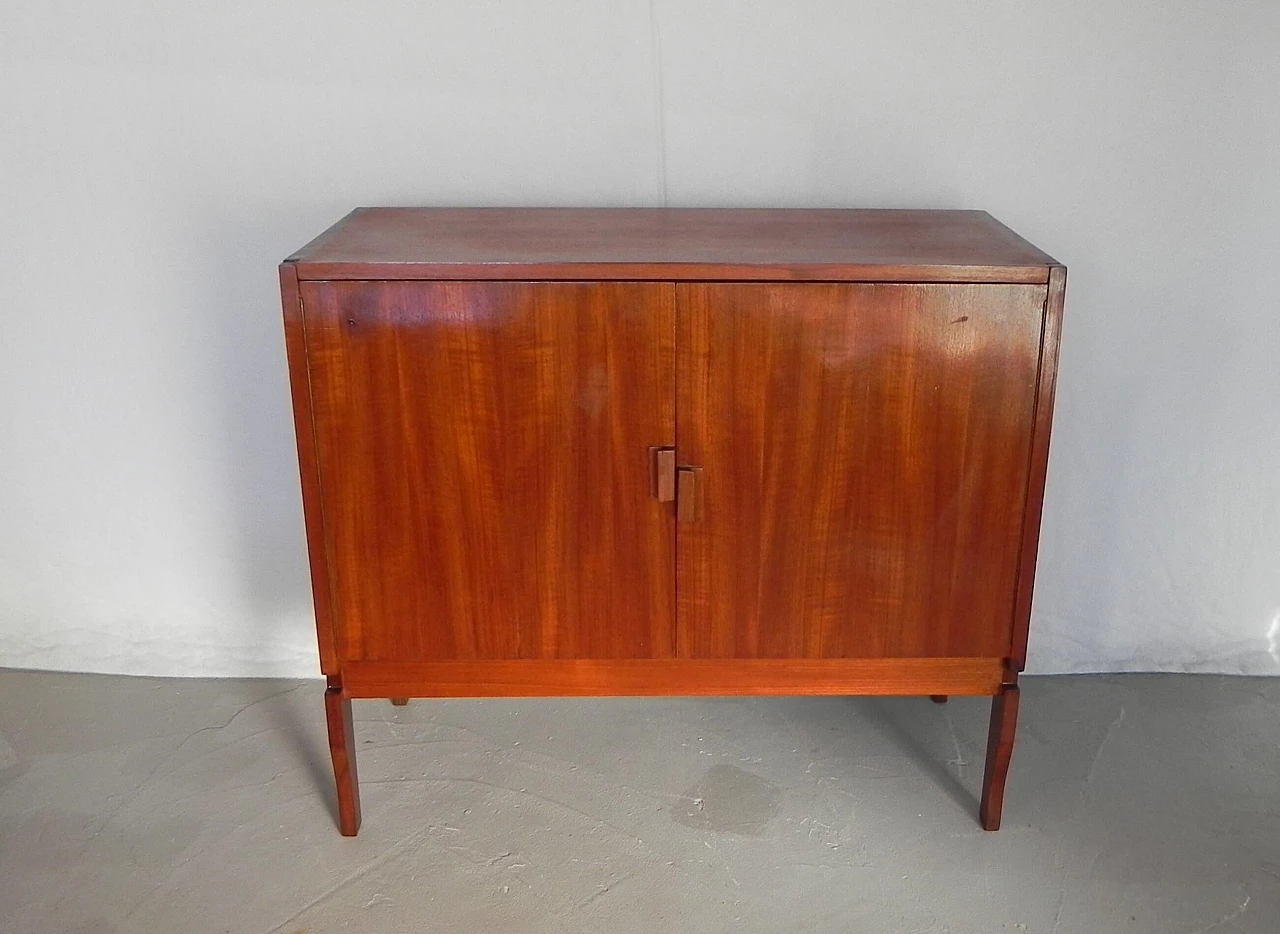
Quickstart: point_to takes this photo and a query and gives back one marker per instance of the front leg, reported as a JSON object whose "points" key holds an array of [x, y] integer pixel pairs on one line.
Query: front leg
{"points": [[342, 747], [1004, 719]]}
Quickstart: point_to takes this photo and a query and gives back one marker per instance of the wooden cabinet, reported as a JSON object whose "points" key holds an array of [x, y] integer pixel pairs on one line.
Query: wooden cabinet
{"points": [[484, 484], [580, 452]]}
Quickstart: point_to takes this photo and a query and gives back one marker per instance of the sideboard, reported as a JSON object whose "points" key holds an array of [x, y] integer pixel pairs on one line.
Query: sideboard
{"points": [[671, 452]]}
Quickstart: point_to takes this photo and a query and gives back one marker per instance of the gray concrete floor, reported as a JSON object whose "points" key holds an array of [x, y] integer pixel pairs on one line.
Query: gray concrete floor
{"points": [[1136, 803]]}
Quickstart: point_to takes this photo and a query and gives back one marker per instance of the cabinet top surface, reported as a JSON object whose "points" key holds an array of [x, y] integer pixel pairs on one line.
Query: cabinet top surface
{"points": [[671, 243]]}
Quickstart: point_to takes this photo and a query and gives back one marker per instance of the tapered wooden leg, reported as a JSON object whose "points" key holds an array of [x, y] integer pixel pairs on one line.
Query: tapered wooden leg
{"points": [[938, 698], [400, 701], [1004, 719], [342, 746]]}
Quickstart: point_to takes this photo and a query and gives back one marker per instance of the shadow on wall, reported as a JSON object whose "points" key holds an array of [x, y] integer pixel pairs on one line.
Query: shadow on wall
{"points": [[252, 414], [246, 358]]}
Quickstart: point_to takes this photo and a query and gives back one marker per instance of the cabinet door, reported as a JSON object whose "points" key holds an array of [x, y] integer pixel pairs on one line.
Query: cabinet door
{"points": [[864, 452], [485, 467]]}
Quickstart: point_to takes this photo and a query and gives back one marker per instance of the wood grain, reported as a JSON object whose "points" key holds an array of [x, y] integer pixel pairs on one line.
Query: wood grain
{"points": [[1004, 723], [1045, 387], [486, 467], [662, 677], [864, 467], [671, 244], [342, 749], [308, 468]]}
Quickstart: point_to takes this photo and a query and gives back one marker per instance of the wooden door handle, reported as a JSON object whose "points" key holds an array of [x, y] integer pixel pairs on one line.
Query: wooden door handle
{"points": [[662, 469], [689, 494]]}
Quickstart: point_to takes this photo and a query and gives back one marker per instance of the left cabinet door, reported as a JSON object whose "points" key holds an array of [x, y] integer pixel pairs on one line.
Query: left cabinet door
{"points": [[485, 467]]}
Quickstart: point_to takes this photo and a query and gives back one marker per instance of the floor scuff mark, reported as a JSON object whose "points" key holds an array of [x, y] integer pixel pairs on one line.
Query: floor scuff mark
{"points": [[1225, 919], [1097, 756], [960, 762]]}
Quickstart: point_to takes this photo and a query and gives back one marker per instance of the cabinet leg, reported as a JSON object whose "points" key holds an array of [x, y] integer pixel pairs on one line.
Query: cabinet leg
{"points": [[400, 701], [938, 698], [1004, 719], [342, 747]]}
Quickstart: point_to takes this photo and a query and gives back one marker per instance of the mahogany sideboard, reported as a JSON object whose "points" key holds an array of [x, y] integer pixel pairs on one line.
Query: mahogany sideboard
{"points": [[671, 452]]}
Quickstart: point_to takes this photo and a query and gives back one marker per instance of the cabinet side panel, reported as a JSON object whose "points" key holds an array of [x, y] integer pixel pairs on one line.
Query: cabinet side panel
{"points": [[1046, 387], [864, 454], [484, 448], [312, 508]]}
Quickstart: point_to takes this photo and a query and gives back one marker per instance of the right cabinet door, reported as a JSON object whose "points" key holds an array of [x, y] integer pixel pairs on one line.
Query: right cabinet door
{"points": [[864, 451]]}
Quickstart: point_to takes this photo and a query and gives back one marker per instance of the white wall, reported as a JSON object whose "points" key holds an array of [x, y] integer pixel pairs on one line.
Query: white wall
{"points": [[158, 159]]}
